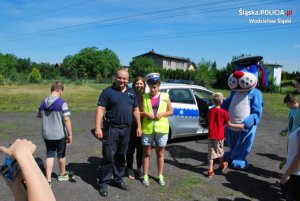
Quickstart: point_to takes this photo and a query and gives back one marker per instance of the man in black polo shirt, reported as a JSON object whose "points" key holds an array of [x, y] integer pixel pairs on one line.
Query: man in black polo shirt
{"points": [[118, 103]]}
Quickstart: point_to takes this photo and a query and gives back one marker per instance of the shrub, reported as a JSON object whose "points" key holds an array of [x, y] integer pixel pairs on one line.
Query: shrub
{"points": [[286, 83], [1, 80], [99, 78], [34, 76]]}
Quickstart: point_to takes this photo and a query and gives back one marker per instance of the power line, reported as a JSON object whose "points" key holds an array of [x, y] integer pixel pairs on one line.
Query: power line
{"points": [[178, 35], [175, 12], [46, 11]]}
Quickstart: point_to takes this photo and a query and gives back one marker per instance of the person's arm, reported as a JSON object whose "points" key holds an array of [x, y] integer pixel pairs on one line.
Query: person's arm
{"points": [[136, 114], [169, 111], [38, 114], [145, 114], [294, 165], [17, 187], [37, 186], [67, 122], [98, 121], [238, 126]]}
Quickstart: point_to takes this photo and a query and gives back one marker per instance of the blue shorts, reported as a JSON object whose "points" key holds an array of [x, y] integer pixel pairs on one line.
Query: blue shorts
{"points": [[56, 148], [159, 139]]}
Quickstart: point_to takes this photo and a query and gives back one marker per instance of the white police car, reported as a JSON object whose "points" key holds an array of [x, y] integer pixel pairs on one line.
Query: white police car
{"points": [[190, 105]]}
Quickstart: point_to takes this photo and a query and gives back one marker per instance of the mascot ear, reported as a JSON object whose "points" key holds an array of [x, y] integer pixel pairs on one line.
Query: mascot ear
{"points": [[264, 76]]}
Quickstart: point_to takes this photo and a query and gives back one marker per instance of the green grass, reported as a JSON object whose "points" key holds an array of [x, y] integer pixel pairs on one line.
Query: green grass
{"points": [[274, 106], [182, 188], [27, 98], [84, 97]]}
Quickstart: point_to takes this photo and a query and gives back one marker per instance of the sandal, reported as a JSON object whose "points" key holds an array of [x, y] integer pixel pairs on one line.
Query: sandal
{"points": [[131, 174], [210, 174]]}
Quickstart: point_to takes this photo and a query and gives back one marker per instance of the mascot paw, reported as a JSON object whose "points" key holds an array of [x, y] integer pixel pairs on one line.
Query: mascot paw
{"points": [[239, 164]]}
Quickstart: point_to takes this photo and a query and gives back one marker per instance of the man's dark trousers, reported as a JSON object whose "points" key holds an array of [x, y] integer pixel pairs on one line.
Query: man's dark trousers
{"points": [[115, 145]]}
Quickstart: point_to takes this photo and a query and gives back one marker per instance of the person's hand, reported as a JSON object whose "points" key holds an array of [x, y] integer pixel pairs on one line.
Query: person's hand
{"points": [[138, 132], [284, 179], [242, 126], [150, 116], [69, 140], [284, 132], [16, 186], [19, 147], [98, 133], [159, 115]]}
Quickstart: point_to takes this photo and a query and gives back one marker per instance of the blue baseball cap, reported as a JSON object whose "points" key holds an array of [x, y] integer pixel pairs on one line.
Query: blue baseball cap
{"points": [[152, 78]]}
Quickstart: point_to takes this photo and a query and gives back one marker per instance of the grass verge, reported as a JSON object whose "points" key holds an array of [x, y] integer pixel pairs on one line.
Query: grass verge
{"points": [[84, 97], [27, 98]]}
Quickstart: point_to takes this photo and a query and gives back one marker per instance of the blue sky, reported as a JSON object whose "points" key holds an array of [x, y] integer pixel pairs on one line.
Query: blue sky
{"points": [[213, 30]]}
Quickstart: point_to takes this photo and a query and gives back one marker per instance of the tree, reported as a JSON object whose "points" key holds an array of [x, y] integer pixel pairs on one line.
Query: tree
{"points": [[142, 66], [205, 75], [223, 75], [90, 62], [47, 71], [24, 65], [8, 62], [109, 63]]}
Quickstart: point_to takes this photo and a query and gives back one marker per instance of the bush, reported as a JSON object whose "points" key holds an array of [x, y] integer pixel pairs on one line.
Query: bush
{"points": [[99, 78], [287, 83], [1, 80], [34, 76]]}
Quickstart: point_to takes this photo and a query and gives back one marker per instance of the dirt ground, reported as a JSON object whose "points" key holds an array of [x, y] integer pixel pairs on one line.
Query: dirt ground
{"points": [[185, 165]]}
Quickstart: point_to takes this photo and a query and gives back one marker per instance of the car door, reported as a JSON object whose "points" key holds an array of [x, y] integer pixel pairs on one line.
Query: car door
{"points": [[185, 116], [204, 103]]}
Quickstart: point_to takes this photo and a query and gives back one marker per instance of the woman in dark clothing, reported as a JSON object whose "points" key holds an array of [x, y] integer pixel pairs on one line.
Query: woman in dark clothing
{"points": [[135, 142]]}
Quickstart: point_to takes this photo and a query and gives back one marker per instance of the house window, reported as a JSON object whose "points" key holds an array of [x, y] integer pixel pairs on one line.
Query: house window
{"points": [[168, 63]]}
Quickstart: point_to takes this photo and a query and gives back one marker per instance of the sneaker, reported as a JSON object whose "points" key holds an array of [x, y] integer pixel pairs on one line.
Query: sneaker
{"points": [[210, 174], [145, 180], [131, 174], [66, 177], [161, 180], [222, 167]]}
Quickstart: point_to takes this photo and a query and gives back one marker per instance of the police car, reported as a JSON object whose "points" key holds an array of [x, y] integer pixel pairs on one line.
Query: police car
{"points": [[190, 105]]}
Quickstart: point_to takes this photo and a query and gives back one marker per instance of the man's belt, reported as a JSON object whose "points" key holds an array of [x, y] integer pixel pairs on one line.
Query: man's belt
{"points": [[119, 126]]}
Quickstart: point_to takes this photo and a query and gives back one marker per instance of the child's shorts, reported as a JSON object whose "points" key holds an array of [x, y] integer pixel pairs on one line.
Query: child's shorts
{"points": [[56, 148], [215, 149], [160, 139]]}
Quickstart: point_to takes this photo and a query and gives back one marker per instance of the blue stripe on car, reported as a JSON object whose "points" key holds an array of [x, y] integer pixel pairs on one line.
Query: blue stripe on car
{"points": [[183, 112]]}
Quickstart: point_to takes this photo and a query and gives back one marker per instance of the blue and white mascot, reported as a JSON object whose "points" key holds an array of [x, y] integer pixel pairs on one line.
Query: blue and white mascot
{"points": [[245, 105]]}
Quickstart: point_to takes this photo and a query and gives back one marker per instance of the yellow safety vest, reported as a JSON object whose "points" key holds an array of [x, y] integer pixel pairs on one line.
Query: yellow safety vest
{"points": [[150, 126]]}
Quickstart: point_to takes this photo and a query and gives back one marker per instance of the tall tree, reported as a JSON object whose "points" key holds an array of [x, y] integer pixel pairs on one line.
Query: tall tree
{"points": [[90, 62], [205, 75], [141, 66]]}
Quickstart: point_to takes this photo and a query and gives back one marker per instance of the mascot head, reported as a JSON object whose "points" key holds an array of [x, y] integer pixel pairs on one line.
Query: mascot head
{"points": [[245, 77]]}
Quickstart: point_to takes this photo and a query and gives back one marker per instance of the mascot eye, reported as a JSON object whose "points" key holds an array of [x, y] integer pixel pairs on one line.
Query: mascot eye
{"points": [[243, 81]]}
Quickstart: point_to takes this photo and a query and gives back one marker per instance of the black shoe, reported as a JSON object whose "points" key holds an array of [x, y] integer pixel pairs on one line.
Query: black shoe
{"points": [[122, 186], [103, 191]]}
